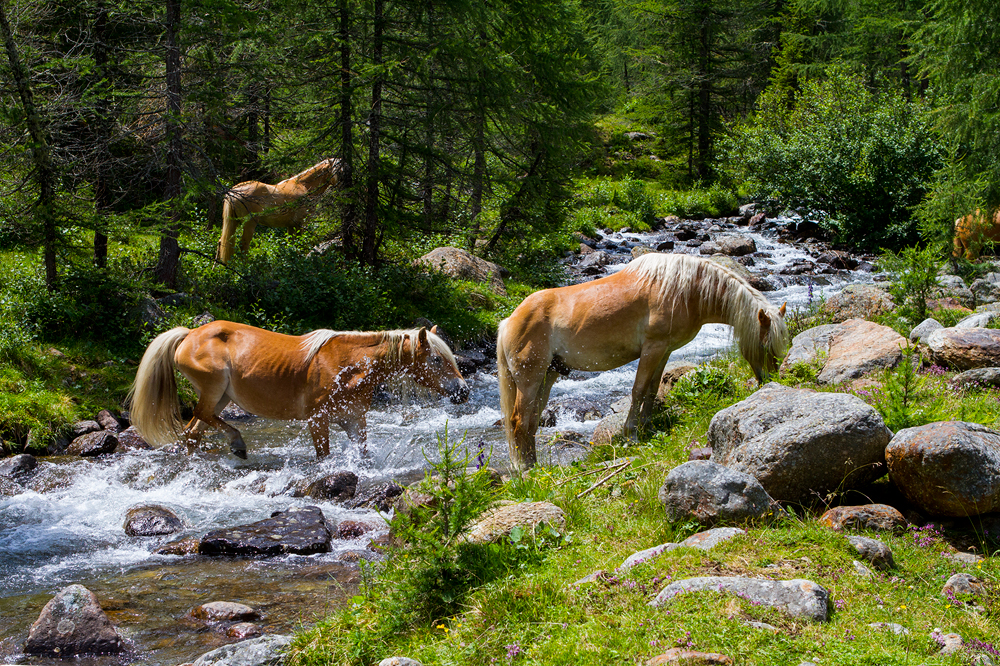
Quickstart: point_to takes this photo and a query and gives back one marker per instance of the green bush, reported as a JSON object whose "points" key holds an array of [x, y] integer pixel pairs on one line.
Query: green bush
{"points": [[712, 201], [914, 278], [858, 159]]}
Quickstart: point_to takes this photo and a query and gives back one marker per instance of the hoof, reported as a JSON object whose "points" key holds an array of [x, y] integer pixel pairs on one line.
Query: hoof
{"points": [[239, 453]]}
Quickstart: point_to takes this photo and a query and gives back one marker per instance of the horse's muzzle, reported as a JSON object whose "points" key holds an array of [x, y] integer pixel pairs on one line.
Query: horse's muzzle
{"points": [[459, 393]]}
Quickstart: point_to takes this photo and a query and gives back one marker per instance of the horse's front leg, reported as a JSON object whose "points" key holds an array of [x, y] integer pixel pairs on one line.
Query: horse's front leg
{"points": [[356, 428], [647, 381], [319, 428]]}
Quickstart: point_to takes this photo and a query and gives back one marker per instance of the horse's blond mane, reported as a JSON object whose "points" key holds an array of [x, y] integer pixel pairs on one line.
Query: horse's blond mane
{"points": [[679, 278], [393, 340]]}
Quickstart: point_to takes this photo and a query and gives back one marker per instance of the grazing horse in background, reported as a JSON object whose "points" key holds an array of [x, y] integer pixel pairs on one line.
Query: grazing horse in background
{"points": [[653, 306], [973, 231], [319, 377], [283, 205]]}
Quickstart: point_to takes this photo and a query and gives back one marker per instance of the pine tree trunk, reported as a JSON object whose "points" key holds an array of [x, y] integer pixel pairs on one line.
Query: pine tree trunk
{"points": [[369, 241], [102, 194], [166, 267], [349, 211]]}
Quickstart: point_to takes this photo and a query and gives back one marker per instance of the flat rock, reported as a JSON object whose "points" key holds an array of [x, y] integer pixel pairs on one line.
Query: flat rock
{"points": [[964, 348], [18, 468], [976, 379], [846, 351], [263, 651], [710, 493], [964, 585], [684, 657], [800, 598], [947, 468], [497, 523], [73, 623], [151, 520], [224, 611], [457, 263], [94, 444], [873, 551], [702, 541], [300, 531], [880, 517], [798, 442]]}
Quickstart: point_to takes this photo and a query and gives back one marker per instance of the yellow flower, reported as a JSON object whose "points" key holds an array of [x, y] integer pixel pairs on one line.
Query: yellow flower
{"points": [[903, 607], [441, 627]]}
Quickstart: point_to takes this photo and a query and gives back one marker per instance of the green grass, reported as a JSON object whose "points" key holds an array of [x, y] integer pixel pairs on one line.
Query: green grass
{"points": [[532, 613]]}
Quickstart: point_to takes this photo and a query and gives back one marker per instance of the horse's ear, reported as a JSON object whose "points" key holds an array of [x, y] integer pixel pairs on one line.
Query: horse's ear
{"points": [[422, 336], [781, 310], [765, 321], [434, 329]]}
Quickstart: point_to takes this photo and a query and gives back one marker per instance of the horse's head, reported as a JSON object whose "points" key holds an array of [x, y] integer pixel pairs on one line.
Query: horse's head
{"points": [[433, 366], [773, 342]]}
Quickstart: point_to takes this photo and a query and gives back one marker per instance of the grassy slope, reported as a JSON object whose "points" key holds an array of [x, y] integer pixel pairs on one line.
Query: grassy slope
{"points": [[530, 613]]}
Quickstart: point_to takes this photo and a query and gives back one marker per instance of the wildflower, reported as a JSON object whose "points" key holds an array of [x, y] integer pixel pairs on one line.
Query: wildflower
{"points": [[903, 607], [512, 651], [442, 628]]}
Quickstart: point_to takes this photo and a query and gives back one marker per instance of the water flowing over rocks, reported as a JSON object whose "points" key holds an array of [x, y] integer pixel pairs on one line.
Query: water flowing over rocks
{"points": [[299, 531], [799, 443], [878, 517], [497, 523], [263, 651], [19, 468], [799, 598], [845, 351], [463, 265], [948, 468], [151, 520], [710, 493], [964, 348], [73, 623]]}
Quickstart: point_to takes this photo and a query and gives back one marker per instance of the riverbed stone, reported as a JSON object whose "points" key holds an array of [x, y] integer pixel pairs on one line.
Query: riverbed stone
{"points": [[188, 546], [380, 496], [497, 523], [947, 468], [463, 265], [878, 517], [846, 351], [18, 468], [339, 486], [976, 379], [263, 651], [109, 421], [129, 439], [799, 442], [710, 493], [683, 657], [151, 520], [352, 529], [84, 427], [735, 245], [857, 301], [923, 329], [73, 623], [243, 630], [224, 611], [964, 348], [873, 551], [799, 598], [94, 444], [299, 531]]}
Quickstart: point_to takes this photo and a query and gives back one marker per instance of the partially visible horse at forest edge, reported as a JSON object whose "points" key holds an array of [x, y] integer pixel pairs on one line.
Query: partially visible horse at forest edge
{"points": [[319, 377], [286, 204], [653, 306], [974, 231]]}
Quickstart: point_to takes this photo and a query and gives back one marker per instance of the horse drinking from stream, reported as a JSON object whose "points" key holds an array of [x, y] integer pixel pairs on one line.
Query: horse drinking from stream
{"points": [[653, 306], [283, 205], [319, 377]]}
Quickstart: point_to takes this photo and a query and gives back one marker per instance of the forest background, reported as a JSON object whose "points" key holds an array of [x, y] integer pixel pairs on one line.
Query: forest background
{"points": [[502, 127]]}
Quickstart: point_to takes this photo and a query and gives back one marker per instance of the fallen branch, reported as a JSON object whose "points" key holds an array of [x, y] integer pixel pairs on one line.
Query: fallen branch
{"points": [[605, 478]]}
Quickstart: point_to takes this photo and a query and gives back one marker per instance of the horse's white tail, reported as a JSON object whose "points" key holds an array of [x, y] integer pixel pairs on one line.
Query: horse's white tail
{"points": [[229, 223], [508, 389], [156, 411]]}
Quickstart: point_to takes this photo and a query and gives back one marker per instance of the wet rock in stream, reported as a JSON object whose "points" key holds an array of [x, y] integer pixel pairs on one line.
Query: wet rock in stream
{"points": [[298, 531], [73, 623]]}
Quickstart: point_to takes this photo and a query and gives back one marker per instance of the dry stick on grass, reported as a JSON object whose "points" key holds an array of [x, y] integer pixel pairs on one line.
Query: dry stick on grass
{"points": [[618, 470]]}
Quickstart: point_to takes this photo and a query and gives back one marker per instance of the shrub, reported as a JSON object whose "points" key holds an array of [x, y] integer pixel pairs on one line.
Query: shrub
{"points": [[914, 278], [864, 159]]}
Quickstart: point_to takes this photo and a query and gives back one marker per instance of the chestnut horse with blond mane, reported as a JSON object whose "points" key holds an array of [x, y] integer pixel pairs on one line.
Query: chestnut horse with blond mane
{"points": [[653, 306], [319, 377], [283, 205], [974, 231]]}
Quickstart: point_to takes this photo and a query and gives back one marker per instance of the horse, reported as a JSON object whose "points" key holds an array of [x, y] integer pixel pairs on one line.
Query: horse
{"points": [[653, 306], [319, 377], [283, 205], [973, 231]]}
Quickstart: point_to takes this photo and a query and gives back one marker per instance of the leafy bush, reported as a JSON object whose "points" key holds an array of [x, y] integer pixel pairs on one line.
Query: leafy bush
{"points": [[712, 201], [865, 159], [914, 278]]}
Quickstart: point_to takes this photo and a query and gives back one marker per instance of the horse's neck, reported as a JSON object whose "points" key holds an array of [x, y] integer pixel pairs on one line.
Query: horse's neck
{"points": [[314, 177], [723, 306]]}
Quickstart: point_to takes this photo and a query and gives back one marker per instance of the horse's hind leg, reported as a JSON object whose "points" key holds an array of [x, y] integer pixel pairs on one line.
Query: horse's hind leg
{"points": [[249, 225], [210, 403]]}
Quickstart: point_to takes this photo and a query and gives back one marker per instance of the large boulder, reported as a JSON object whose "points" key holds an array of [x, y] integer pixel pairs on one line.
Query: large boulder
{"points": [[799, 443], [263, 651], [710, 493], [299, 531], [857, 301], [735, 245], [948, 468], [463, 265], [964, 348], [846, 351], [73, 623]]}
